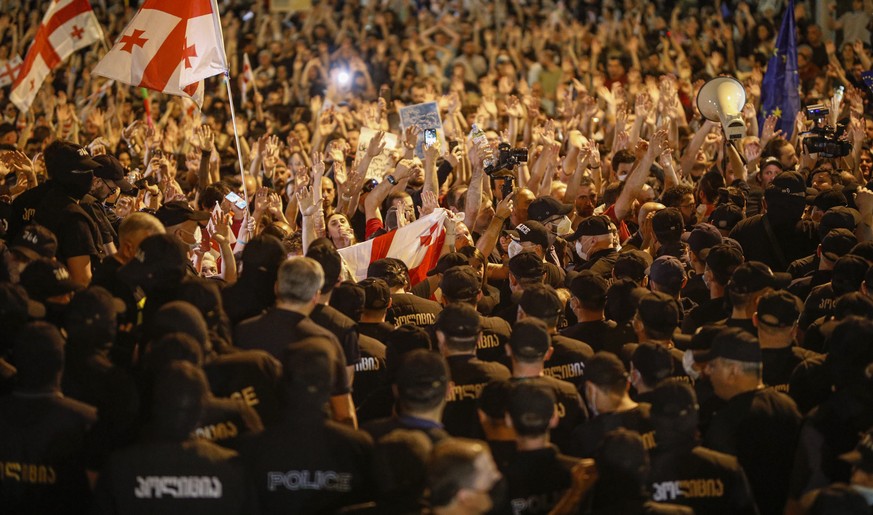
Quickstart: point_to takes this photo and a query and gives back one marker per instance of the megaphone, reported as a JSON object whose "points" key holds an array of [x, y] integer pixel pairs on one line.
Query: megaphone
{"points": [[722, 100]]}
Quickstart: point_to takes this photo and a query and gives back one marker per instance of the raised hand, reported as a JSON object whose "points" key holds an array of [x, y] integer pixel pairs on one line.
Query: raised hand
{"points": [[309, 204], [206, 138], [505, 206], [429, 203], [376, 145]]}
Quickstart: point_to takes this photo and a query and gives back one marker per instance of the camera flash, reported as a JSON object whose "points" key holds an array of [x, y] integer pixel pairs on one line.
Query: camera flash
{"points": [[343, 78]]}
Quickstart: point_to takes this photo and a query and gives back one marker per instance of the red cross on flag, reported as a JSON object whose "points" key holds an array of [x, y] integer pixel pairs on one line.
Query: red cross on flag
{"points": [[168, 46], [9, 70], [67, 26]]}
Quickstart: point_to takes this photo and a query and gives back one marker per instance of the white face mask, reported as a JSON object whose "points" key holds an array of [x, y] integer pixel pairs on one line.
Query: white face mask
{"points": [[866, 491], [580, 250], [564, 226], [198, 238], [514, 249], [688, 365]]}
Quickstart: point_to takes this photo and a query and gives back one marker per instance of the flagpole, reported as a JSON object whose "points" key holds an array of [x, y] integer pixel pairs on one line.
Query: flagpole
{"points": [[242, 171]]}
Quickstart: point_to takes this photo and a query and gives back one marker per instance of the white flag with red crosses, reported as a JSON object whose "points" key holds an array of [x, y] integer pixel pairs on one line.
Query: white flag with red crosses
{"points": [[9, 70], [67, 26], [168, 46]]}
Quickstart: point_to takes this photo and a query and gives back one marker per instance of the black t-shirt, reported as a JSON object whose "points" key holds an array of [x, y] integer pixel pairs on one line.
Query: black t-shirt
{"points": [[571, 409], [803, 266], [820, 303], [250, 296], [627, 354], [802, 286], [469, 377], [76, 232], [249, 376], [746, 324], [186, 478], [709, 312], [601, 335], [98, 214], [407, 308], [308, 464], [695, 289], [24, 207], [343, 327], [779, 364], [42, 451], [708, 481], [601, 262], [370, 371], [588, 436], [568, 360], [536, 481], [277, 328], [376, 330], [226, 421], [794, 242], [381, 427], [760, 428]]}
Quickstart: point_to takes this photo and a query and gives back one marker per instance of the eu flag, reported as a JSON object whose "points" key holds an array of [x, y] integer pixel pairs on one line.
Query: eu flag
{"points": [[780, 89]]}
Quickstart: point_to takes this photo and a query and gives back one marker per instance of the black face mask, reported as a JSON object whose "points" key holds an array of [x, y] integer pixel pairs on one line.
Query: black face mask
{"points": [[785, 211], [499, 493], [76, 185]]}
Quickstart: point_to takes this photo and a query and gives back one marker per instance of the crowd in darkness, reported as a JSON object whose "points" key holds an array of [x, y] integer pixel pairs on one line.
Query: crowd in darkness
{"points": [[635, 316]]}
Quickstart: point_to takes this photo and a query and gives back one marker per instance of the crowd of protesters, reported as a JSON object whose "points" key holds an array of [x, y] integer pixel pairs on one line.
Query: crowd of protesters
{"points": [[633, 317]]}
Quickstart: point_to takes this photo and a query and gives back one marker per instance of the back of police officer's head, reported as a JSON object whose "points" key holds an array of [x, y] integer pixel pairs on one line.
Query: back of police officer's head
{"points": [[491, 406], [325, 254], [850, 351], [460, 474], [531, 410], [650, 364], [458, 328], [180, 317], [307, 374], [530, 342], [299, 281], [674, 411], [606, 381], [38, 356], [734, 362], [401, 341], [349, 299], [179, 394], [400, 462], [622, 466], [171, 347], [421, 381]]}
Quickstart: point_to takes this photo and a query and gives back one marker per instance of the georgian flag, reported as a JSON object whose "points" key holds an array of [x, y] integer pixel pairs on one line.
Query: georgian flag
{"points": [[67, 26], [168, 46], [247, 78], [417, 244]]}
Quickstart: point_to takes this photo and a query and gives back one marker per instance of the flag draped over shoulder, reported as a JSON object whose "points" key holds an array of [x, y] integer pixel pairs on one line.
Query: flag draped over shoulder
{"points": [[168, 46], [417, 244], [67, 26], [780, 89]]}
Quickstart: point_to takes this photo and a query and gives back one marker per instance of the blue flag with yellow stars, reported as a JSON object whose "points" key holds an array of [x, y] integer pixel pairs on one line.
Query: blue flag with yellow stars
{"points": [[780, 89]]}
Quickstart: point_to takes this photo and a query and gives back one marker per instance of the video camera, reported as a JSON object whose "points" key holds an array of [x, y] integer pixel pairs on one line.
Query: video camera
{"points": [[507, 159], [823, 139]]}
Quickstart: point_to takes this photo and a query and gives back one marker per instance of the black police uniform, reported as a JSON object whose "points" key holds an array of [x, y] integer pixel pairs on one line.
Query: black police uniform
{"points": [[695, 289], [708, 481], [308, 464], [378, 428], [249, 376], [469, 376], [376, 330], [601, 262], [800, 241], [495, 335], [276, 328], [536, 480], [779, 364], [343, 327], [601, 335], [97, 213], [571, 409], [407, 308], [820, 303], [588, 436], [225, 421], [76, 232], [195, 477], [568, 359], [709, 312], [42, 458], [250, 296], [24, 207], [370, 371], [760, 428]]}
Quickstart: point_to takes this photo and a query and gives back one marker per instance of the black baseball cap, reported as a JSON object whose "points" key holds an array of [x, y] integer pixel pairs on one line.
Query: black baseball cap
{"points": [[839, 217], [111, 169], [447, 261], [597, 225], [668, 272], [753, 276], [263, 253], [461, 282], [862, 455], [633, 264], [64, 158], [179, 211], [531, 407], [605, 369], [35, 241], [735, 344], [830, 198], [723, 259], [527, 265], [159, 257], [543, 208], [44, 278], [669, 220], [533, 232], [377, 294], [541, 301], [589, 286], [771, 161], [459, 320], [653, 361], [389, 270], [659, 311], [726, 216], [837, 243], [779, 308], [788, 183], [422, 376], [530, 339], [673, 398], [702, 238], [16, 306]]}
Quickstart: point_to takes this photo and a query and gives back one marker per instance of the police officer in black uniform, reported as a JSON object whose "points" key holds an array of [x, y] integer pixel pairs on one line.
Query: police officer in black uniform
{"points": [[593, 237], [588, 300], [406, 308], [682, 471], [529, 348], [458, 330], [308, 463], [377, 300]]}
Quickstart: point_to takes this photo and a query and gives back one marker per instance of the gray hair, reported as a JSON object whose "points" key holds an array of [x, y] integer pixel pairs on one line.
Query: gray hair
{"points": [[299, 280], [140, 221]]}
